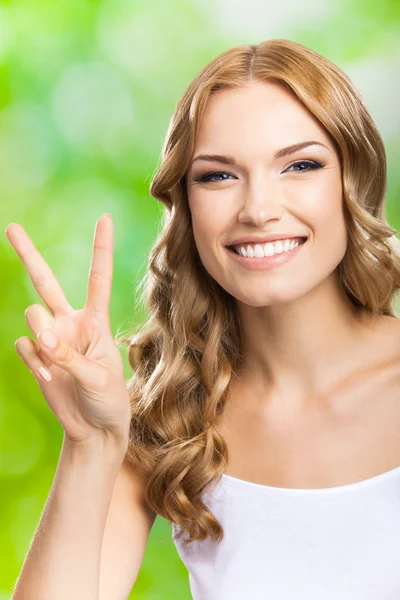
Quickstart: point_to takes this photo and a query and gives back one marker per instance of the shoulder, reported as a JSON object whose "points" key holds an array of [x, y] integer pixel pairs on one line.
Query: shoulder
{"points": [[386, 348], [378, 359], [388, 341]]}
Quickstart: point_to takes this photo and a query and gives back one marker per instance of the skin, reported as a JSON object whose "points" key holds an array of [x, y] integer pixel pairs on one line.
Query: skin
{"points": [[303, 339], [85, 387], [316, 401]]}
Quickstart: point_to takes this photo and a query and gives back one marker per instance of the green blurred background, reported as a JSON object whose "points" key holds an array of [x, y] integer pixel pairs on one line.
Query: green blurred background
{"points": [[87, 89]]}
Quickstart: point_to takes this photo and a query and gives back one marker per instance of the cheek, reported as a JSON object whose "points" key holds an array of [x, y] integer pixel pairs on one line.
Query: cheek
{"points": [[329, 220], [324, 213], [209, 229], [319, 204], [209, 224]]}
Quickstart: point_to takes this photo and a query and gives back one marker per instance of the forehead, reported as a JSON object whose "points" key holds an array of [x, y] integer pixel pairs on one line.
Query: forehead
{"points": [[263, 113]]}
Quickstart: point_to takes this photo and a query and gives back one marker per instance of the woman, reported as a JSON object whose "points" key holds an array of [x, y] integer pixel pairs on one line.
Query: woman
{"points": [[265, 408]]}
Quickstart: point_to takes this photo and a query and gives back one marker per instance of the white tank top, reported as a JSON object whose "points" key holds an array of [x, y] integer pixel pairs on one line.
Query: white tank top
{"points": [[339, 543]]}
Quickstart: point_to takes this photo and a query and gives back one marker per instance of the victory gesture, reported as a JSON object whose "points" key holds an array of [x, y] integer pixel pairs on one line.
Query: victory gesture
{"points": [[74, 356]]}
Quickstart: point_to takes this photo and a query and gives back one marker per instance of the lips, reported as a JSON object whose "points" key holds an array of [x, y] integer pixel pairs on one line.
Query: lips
{"points": [[275, 237]]}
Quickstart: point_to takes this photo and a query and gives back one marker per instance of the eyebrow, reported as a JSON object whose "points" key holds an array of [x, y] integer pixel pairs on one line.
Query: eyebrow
{"points": [[230, 160]]}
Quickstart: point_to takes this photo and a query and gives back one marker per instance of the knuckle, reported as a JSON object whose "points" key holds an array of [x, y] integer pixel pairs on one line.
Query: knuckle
{"points": [[65, 354], [40, 280], [97, 276]]}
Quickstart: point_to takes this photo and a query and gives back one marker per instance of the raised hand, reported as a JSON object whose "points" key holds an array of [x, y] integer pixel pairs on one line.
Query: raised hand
{"points": [[87, 391]]}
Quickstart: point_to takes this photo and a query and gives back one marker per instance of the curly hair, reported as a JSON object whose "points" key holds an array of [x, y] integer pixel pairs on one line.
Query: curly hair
{"points": [[184, 355]]}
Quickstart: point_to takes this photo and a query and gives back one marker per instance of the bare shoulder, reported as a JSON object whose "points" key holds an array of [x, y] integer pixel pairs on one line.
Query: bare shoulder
{"points": [[387, 344], [380, 343], [383, 374]]}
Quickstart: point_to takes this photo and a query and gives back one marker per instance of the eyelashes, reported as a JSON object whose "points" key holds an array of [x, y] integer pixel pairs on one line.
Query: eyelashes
{"points": [[311, 166]]}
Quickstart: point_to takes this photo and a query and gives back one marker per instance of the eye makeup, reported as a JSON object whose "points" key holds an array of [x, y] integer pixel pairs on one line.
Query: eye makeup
{"points": [[311, 165]]}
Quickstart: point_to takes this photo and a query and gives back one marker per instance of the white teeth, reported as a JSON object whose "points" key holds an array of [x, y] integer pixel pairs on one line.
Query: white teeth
{"points": [[258, 251], [268, 249]]}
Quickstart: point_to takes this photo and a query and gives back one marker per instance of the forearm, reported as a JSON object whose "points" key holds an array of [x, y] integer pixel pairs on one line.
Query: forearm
{"points": [[63, 561]]}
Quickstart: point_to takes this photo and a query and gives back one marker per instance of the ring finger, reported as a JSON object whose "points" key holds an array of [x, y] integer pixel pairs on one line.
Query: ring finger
{"points": [[37, 318], [27, 350]]}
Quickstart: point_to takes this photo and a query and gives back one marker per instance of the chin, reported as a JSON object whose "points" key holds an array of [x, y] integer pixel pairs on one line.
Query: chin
{"points": [[266, 298]]}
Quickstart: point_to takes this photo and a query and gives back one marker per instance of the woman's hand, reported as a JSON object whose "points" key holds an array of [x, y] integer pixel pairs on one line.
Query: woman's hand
{"points": [[87, 391]]}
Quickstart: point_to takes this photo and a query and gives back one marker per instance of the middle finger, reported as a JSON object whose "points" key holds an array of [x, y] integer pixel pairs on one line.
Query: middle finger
{"points": [[101, 267]]}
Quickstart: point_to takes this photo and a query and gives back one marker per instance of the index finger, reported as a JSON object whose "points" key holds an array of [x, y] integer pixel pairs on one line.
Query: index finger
{"points": [[101, 267], [39, 271]]}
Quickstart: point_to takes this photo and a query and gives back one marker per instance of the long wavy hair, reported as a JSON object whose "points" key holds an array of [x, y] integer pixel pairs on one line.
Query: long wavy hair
{"points": [[184, 355]]}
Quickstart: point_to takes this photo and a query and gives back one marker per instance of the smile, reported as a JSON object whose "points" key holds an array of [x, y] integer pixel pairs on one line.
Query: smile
{"points": [[266, 262]]}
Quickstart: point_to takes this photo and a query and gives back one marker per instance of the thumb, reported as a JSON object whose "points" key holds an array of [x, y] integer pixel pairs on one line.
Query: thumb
{"points": [[64, 356]]}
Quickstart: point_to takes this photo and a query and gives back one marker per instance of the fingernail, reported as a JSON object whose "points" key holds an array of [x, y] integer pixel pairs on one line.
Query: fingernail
{"points": [[49, 339], [45, 373]]}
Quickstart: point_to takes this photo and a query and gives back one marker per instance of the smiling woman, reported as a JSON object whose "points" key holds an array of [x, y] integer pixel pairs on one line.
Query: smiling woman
{"points": [[271, 290], [266, 188]]}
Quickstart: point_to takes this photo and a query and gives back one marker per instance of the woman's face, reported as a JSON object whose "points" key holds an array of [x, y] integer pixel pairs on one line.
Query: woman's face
{"points": [[261, 194]]}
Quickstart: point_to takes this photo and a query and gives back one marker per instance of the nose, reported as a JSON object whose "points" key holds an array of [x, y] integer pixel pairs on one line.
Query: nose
{"points": [[263, 201]]}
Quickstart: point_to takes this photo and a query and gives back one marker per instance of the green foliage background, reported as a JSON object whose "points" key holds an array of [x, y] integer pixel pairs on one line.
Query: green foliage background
{"points": [[87, 89]]}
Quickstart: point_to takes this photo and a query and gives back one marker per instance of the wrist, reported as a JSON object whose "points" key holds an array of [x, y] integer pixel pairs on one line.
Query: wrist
{"points": [[100, 446]]}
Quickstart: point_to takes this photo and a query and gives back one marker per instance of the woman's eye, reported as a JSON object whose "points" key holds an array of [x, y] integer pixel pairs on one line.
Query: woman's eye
{"points": [[209, 176], [309, 164], [212, 176]]}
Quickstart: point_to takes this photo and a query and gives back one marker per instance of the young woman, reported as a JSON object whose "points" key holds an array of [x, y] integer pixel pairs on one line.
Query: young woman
{"points": [[263, 416]]}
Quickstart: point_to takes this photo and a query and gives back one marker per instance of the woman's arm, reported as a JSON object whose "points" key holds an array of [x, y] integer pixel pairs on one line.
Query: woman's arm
{"points": [[63, 560], [127, 530]]}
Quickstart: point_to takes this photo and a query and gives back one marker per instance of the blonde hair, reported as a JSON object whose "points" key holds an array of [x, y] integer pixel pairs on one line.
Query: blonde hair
{"points": [[184, 355]]}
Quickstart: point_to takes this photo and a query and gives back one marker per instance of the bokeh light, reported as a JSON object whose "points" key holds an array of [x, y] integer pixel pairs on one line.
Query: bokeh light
{"points": [[87, 90]]}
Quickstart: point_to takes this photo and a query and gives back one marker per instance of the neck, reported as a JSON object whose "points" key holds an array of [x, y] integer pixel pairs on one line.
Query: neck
{"points": [[297, 350]]}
